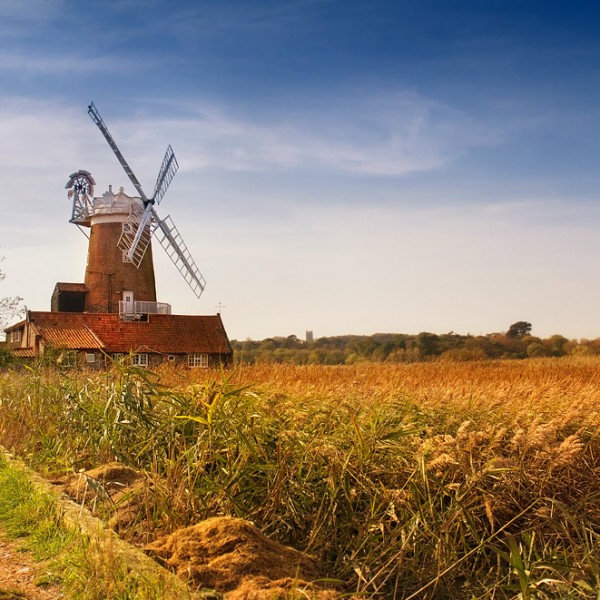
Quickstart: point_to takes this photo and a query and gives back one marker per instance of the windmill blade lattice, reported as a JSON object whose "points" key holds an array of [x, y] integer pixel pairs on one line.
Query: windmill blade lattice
{"points": [[167, 171], [170, 239], [136, 235]]}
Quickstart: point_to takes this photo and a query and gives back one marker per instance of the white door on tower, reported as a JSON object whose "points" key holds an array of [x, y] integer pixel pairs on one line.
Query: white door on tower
{"points": [[128, 307]]}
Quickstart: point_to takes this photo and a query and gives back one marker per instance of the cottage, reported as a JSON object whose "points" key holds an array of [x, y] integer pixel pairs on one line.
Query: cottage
{"points": [[93, 338]]}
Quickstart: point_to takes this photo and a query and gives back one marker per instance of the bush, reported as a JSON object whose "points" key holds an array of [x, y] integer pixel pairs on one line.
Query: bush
{"points": [[6, 356]]}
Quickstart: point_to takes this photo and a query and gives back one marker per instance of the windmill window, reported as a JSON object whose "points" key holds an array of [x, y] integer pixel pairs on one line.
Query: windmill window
{"points": [[197, 360], [126, 258], [127, 228], [139, 360]]}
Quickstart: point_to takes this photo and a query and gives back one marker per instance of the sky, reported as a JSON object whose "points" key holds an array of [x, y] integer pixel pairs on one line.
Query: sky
{"points": [[346, 166]]}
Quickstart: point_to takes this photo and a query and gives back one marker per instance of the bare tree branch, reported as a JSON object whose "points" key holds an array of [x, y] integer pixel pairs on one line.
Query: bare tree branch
{"points": [[10, 307]]}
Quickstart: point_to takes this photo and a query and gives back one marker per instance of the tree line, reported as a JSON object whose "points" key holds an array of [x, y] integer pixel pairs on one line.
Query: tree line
{"points": [[516, 343]]}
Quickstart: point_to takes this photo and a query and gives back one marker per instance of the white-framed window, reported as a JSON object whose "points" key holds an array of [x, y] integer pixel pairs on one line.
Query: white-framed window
{"points": [[127, 228], [197, 360], [16, 335], [118, 356], [126, 258], [140, 360], [90, 358]]}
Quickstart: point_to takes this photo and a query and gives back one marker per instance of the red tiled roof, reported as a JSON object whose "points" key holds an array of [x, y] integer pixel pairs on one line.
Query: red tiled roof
{"points": [[167, 334], [61, 286], [72, 338], [23, 352]]}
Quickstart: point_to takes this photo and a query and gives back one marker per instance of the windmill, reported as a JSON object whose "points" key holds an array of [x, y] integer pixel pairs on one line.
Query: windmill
{"points": [[143, 220]]}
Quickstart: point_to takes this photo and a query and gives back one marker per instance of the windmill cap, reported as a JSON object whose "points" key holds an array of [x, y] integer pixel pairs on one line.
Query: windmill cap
{"points": [[116, 204]]}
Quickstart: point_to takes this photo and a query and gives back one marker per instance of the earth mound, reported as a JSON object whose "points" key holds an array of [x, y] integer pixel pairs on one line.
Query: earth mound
{"points": [[106, 480], [234, 558], [115, 492]]}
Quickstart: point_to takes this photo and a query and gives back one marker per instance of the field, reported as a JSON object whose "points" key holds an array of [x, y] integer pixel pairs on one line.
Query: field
{"points": [[424, 480]]}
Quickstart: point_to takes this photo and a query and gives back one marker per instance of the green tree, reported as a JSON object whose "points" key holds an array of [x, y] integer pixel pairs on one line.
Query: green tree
{"points": [[519, 329], [428, 344], [536, 349]]}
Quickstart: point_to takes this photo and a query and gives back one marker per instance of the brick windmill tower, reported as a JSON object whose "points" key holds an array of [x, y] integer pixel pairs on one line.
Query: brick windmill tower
{"points": [[119, 275]]}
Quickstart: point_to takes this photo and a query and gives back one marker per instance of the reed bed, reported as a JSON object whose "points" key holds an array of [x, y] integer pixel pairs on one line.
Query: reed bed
{"points": [[430, 480]]}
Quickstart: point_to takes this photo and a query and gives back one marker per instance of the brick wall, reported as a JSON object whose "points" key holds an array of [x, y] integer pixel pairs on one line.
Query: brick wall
{"points": [[107, 276]]}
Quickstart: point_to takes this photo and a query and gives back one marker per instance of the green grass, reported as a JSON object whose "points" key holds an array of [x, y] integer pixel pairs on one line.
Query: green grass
{"points": [[31, 516], [84, 567]]}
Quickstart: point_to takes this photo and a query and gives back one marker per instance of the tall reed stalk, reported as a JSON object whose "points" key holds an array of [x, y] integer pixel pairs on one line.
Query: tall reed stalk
{"points": [[426, 480]]}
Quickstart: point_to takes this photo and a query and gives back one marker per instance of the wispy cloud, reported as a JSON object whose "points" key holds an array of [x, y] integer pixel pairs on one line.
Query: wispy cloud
{"points": [[40, 64], [257, 17], [20, 19], [37, 134], [386, 134], [30, 10]]}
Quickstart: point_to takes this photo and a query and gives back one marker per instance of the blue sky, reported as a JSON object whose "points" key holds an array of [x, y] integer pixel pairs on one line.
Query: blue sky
{"points": [[346, 166]]}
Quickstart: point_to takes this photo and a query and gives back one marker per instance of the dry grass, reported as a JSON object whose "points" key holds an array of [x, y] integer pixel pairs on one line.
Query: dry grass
{"points": [[434, 480]]}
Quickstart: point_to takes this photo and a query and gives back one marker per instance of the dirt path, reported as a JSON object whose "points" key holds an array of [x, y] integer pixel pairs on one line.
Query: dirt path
{"points": [[19, 572]]}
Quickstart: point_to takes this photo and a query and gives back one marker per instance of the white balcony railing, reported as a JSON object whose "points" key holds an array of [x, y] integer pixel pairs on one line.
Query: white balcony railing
{"points": [[134, 310]]}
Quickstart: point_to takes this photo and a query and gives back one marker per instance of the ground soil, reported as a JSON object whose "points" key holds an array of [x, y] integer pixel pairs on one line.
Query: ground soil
{"points": [[19, 573], [232, 556]]}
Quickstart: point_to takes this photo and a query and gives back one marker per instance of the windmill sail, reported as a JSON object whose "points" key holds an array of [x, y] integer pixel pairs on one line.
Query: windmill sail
{"points": [[95, 115], [135, 238]]}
